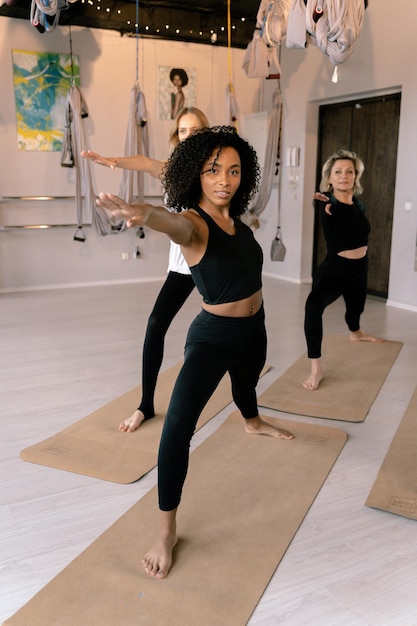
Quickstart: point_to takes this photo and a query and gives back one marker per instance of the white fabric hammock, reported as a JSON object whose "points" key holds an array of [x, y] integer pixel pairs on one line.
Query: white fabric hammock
{"points": [[272, 160], [45, 14], [334, 26], [261, 57]]}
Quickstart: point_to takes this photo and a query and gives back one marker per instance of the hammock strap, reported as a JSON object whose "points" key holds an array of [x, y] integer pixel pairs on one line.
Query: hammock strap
{"points": [[233, 112]]}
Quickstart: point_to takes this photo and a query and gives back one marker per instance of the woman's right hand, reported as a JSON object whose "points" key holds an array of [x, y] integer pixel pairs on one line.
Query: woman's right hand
{"points": [[134, 214], [110, 162], [320, 196]]}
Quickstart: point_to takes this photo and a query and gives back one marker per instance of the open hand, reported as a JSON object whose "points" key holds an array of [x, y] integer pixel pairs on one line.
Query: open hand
{"points": [[323, 198], [134, 214], [110, 162]]}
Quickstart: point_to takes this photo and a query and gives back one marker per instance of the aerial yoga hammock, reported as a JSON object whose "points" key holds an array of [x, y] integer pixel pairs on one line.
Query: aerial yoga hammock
{"points": [[261, 59], [272, 159], [137, 141], [45, 14], [334, 26], [271, 169], [230, 90], [75, 142]]}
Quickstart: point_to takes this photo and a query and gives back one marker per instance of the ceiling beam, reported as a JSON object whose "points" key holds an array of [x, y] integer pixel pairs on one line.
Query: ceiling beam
{"points": [[159, 20]]}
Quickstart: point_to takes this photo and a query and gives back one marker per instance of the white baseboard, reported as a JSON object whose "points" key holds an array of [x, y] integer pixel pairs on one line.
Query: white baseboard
{"points": [[401, 305]]}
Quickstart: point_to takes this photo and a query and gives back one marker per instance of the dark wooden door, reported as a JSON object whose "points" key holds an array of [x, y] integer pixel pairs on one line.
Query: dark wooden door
{"points": [[368, 127]]}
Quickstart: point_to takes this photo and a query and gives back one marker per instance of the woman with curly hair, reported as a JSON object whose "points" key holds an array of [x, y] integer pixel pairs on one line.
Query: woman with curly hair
{"points": [[344, 271], [214, 173], [179, 283]]}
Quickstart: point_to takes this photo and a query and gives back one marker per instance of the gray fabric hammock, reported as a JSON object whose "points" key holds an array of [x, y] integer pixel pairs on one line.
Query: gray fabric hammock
{"points": [[45, 14], [261, 58], [74, 142], [334, 26], [271, 169], [136, 142]]}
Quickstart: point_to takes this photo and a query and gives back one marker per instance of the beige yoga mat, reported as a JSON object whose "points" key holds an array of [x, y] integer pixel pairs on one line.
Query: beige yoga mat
{"points": [[354, 372], [395, 487], [244, 499], [93, 446]]}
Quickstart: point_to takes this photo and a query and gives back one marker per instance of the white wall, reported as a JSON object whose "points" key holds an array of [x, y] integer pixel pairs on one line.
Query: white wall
{"points": [[382, 62], [30, 259]]}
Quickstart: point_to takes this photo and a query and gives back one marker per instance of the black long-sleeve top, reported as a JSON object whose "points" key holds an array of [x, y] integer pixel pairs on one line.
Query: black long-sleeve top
{"points": [[346, 228]]}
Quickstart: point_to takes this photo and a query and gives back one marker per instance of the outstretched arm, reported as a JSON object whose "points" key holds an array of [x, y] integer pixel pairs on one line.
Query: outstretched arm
{"points": [[180, 227], [136, 162]]}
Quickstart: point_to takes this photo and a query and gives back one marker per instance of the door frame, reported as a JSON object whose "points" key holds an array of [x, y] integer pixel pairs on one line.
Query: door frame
{"points": [[347, 100]]}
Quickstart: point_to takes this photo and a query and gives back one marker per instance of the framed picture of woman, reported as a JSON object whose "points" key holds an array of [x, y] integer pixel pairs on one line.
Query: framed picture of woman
{"points": [[177, 89]]}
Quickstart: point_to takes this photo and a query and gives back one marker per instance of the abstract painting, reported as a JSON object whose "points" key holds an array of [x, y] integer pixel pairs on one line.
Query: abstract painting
{"points": [[41, 84]]}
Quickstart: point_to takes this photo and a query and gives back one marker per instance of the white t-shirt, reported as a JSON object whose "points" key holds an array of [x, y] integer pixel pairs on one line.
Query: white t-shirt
{"points": [[176, 261]]}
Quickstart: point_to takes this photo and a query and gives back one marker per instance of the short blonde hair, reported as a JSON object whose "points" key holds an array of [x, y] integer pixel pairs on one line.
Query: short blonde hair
{"points": [[342, 155], [173, 137]]}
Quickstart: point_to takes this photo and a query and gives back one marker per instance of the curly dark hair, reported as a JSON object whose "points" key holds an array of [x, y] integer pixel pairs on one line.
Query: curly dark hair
{"points": [[181, 176], [178, 71]]}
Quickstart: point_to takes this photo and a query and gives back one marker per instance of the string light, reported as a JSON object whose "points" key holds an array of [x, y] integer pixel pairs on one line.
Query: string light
{"points": [[211, 34]]}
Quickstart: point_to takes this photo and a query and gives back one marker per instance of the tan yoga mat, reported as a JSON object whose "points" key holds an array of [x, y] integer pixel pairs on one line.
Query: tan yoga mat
{"points": [[244, 499], [93, 446], [354, 372], [395, 487]]}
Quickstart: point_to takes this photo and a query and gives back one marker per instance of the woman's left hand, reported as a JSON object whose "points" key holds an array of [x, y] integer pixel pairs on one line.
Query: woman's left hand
{"points": [[110, 162], [323, 198]]}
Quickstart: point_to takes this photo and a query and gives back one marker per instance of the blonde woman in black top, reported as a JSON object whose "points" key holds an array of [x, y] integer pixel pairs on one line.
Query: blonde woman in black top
{"points": [[178, 284], [344, 271]]}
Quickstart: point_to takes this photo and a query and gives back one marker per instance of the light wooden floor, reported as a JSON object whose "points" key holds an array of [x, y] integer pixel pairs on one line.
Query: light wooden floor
{"points": [[65, 353]]}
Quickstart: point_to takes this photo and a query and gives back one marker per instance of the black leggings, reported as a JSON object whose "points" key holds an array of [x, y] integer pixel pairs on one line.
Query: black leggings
{"points": [[174, 292], [214, 346], [335, 277]]}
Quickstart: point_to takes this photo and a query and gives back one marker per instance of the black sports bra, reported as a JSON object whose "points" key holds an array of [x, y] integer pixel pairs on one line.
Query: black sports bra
{"points": [[231, 268]]}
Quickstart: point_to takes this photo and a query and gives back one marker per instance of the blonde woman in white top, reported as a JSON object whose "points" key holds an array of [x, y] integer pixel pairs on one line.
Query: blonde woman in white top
{"points": [[178, 284]]}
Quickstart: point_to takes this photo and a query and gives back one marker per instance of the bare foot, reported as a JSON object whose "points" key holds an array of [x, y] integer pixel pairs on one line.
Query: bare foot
{"points": [[360, 336], [313, 381], [258, 426], [158, 560], [132, 423], [316, 374]]}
